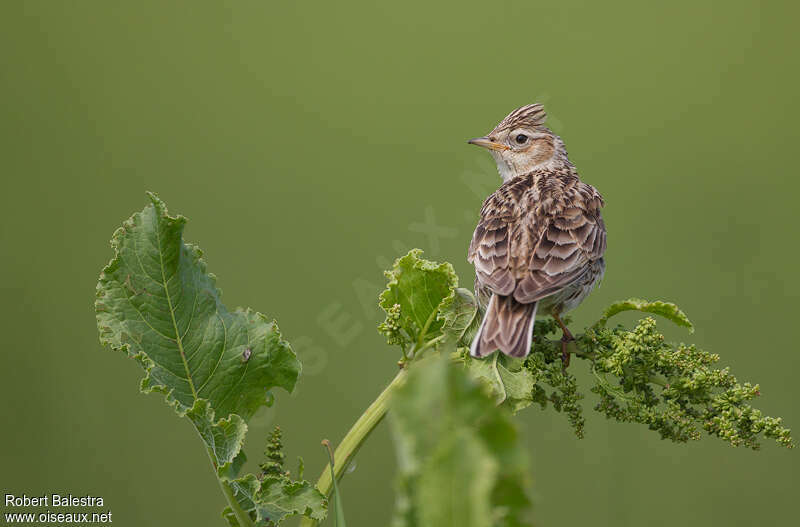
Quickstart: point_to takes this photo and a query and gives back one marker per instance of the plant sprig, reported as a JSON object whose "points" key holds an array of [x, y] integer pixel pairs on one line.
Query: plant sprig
{"points": [[673, 389], [157, 303]]}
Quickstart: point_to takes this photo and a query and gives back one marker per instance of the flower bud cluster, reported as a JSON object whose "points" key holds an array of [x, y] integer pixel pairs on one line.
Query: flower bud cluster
{"points": [[391, 328], [674, 390], [548, 369]]}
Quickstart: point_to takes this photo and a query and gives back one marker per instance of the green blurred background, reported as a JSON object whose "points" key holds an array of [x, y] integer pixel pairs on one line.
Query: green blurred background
{"points": [[310, 144]]}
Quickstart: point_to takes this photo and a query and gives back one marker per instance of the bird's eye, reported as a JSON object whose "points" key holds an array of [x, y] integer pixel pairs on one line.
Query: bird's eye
{"points": [[521, 139]]}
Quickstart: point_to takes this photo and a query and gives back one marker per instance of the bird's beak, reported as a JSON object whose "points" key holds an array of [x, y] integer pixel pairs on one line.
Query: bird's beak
{"points": [[485, 142]]}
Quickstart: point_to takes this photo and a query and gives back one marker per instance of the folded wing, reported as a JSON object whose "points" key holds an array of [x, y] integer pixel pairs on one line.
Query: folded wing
{"points": [[532, 256]]}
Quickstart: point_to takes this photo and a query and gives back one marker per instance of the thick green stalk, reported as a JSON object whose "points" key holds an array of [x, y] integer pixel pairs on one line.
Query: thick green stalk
{"points": [[241, 515], [355, 437], [359, 432]]}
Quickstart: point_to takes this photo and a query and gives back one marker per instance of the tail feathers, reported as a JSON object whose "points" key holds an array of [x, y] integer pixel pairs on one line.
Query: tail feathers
{"points": [[507, 326]]}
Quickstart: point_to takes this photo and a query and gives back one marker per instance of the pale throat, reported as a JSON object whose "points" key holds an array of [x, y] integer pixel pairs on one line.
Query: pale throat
{"points": [[507, 171]]}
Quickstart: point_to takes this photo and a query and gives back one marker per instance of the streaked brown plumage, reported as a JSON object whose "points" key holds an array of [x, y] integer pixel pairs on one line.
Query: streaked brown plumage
{"points": [[540, 241]]}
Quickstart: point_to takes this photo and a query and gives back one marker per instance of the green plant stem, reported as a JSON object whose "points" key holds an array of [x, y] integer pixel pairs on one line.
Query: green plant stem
{"points": [[355, 437], [430, 343], [572, 347], [373, 415], [431, 318], [241, 515]]}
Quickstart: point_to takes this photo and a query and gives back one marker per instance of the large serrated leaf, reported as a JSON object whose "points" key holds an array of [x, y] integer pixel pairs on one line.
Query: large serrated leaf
{"points": [[157, 303], [459, 457], [280, 497], [419, 287], [667, 310], [274, 498]]}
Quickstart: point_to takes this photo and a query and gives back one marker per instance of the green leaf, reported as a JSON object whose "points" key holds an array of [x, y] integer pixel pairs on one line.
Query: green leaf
{"points": [[157, 303], [509, 381], [413, 297], [280, 497], [667, 310], [273, 495], [277, 497], [224, 437], [455, 483], [460, 317], [459, 456], [245, 491], [229, 516]]}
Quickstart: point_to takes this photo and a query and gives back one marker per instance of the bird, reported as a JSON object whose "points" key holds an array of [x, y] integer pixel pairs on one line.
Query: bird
{"points": [[540, 242]]}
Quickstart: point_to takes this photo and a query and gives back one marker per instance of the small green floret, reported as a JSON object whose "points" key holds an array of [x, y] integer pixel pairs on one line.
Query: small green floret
{"points": [[564, 395], [391, 329], [273, 454], [548, 370], [674, 390]]}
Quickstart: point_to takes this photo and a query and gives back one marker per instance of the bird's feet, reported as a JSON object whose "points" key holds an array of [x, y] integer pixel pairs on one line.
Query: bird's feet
{"points": [[566, 338]]}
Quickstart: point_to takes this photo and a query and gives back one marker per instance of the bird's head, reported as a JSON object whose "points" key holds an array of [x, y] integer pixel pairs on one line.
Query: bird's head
{"points": [[521, 143]]}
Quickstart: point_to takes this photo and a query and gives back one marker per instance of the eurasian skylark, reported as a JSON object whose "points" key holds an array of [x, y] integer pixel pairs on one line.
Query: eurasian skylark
{"points": [[540, 241]]}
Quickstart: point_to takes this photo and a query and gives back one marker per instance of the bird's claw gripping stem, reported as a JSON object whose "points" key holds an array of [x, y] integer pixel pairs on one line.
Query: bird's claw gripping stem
{"points": [[566, 338]]}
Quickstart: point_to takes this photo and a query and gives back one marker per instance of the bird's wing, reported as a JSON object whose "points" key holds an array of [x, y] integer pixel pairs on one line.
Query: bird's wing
{"points": [[569, 242], [533, 255], [490, 249]]}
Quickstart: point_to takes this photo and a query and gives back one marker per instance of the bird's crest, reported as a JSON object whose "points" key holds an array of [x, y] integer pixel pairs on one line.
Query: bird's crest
{"points": [[531, 115]]}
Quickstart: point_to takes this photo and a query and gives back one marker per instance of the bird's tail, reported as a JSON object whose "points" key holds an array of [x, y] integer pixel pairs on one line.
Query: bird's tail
{"points": [[507, 326]]}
